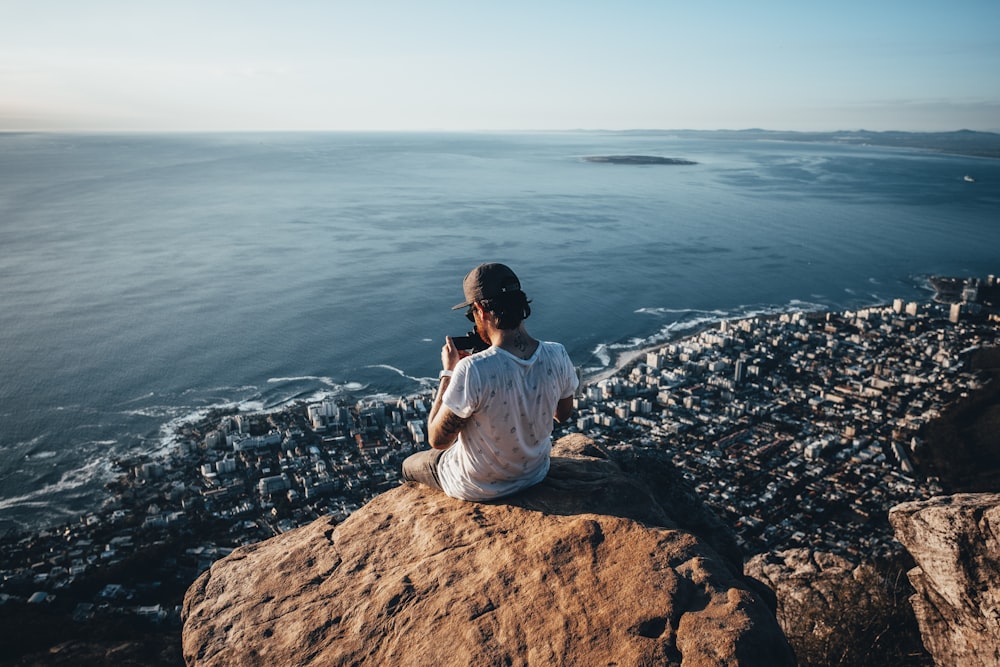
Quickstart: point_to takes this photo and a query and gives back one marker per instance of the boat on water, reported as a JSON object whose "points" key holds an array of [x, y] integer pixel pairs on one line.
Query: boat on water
{"points": [[968, 179]]}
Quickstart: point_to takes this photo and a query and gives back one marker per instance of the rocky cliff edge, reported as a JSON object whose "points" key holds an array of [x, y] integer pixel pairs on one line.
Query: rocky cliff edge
{"points": [[610, 560], [955, 542]]}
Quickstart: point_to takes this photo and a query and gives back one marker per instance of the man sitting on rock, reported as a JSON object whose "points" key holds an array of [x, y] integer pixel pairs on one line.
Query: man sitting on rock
{"points": [[491, 424]]}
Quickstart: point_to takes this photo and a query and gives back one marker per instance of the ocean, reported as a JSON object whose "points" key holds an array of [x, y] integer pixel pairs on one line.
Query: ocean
{"points": [[145, 279]]}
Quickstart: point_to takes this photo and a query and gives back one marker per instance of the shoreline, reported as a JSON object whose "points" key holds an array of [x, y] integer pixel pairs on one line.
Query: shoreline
{"points": [[622, 360], [221, 494], [626, 358], [939, 285]]}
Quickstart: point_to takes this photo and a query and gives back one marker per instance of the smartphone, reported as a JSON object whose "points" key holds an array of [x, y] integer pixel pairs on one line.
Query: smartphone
{"points": [[471, 342]]}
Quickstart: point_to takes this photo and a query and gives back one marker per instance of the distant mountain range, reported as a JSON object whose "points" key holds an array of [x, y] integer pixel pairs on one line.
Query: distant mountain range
{"points": [[961, 142]]}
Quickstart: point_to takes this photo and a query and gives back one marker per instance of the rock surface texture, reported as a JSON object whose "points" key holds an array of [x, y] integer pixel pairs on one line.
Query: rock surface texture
{"points": [[609, 561], [833, 611], [955, 542], [803, 579]]}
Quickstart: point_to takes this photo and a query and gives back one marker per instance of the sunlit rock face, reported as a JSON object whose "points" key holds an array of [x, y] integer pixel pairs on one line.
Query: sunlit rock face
{"points": [[955, 541], [610, 560]]}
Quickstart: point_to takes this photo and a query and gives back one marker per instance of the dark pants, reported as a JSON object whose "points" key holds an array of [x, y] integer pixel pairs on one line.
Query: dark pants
{"points": [[422, 467]]}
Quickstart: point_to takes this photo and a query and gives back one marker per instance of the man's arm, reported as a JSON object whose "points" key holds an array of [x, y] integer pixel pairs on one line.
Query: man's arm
{"points": [[564, 409], [443, 425], [444, 429]]}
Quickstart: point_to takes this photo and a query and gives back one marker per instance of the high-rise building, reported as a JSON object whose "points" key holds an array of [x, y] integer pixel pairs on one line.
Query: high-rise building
{"points": [[741, 370]]}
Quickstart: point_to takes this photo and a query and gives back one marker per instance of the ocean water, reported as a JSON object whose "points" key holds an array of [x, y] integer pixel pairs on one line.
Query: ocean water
{"points": [[145, 279]]}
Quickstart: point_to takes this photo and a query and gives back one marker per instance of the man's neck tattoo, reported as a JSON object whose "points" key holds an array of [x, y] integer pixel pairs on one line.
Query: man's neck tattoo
{"points": [[520, 343]]}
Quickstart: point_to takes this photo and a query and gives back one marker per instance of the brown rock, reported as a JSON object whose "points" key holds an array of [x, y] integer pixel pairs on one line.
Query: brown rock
{"points": [[835, 612], [955, 542], [802, 578], [586, 568]]}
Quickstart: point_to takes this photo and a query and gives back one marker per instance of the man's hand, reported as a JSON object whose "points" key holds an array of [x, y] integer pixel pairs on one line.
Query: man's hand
{"points": [[564, 409], [451, 354]]}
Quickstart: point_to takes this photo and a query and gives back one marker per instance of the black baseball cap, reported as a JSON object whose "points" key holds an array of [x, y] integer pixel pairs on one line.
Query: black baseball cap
{"points": [[488, 281]]}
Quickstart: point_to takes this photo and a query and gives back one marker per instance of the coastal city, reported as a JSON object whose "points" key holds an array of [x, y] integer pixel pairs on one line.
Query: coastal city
{"points": [[799, 430]]}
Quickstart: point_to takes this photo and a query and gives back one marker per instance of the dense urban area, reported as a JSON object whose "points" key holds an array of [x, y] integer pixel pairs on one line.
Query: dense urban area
{"points": [[799, 430]]}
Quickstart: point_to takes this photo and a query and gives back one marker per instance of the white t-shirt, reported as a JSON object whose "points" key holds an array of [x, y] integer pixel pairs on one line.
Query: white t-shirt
{"points": [[505, 446]]}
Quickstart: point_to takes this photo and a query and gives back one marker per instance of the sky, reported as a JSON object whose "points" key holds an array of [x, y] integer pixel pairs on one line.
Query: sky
{"points": [[470, 65]]}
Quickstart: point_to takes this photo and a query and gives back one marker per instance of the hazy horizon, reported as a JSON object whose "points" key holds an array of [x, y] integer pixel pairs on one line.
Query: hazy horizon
{"points": [[486, 130], [443, 65]]}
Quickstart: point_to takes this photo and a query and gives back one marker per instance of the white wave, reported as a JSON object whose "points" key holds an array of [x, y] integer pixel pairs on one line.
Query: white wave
{"points": [[318, 396], [336, 387], [381, 396], [399, 372], [218, 390], [95, 470], [144, 397], [629, 344], [602, 353], [170, 431], [389, 368], [804, 306], [41, 456], [923, 282], [680, 311], [187, 413], [306, 378], [424, 382], [332, 391], [793, 306], [250, 406], [152, 411], [29, 443], [697, 321]]}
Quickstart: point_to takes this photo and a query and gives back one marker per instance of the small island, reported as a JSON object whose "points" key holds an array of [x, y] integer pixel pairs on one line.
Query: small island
{"points": [[638, 159]]}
